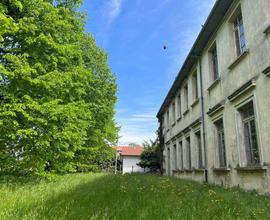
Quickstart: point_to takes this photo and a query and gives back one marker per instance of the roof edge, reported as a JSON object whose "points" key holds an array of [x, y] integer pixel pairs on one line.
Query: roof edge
{"points": [[193, 53]]}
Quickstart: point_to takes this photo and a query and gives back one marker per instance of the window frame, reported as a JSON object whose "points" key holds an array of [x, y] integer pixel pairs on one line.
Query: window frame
{"points": [[250, 158], [168, 118], [214, 67], [185, 88], [221, 145], [174, 157], [188, 153], [179, 104], [181, 152], [199, 147], [195, 87], [239, 35], [173, 112]]}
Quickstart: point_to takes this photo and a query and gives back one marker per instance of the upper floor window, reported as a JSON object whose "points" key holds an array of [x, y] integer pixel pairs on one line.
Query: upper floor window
{"points": [[168, 119], [179, 106], [214, 62], [186, 96], [239, 34], [195, 89], [250, 134], [173, 112]]}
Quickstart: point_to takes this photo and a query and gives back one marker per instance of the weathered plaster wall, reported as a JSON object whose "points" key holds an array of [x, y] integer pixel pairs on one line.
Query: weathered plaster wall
{"points": [[256, 18]]}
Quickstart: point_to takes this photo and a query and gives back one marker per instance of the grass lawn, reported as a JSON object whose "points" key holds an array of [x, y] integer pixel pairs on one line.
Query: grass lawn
{"points": [[101, 196]]}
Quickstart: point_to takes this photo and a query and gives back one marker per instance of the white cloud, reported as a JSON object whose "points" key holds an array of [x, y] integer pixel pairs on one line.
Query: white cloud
{"points": [[137, 127], [113, 9], [135, 137]]}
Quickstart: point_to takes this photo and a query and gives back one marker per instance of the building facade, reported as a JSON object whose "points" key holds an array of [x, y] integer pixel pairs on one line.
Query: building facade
{"points": [[215, 121]]}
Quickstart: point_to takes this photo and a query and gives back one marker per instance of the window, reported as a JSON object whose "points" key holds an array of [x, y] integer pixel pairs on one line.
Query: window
{"points": [[250, 134], [186, 96], [199, 147], [168, 119], [173, 112], [175, 157], [168, 160], [214, 62], [195, 86], [179, 105], [239, 34], [221, 143], [181, 155], [188, 153]]}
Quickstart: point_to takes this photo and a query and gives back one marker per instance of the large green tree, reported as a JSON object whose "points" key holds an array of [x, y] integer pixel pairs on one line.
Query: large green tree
{"points": [[57, 91]]}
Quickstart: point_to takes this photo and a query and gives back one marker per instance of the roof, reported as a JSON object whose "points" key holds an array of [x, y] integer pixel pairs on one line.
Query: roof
{"points": [[211, 25], [129, 151]]}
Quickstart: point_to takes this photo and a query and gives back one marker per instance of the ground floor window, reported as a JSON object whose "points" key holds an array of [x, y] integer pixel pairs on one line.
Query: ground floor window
{"points": [[250, 134], [175, 157], [168, 160], [188, 153], [199, 149], [181, 155], [221, 143]]}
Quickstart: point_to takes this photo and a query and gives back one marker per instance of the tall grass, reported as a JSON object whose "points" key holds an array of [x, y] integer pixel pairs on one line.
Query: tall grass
{"points": [[100, 196]]}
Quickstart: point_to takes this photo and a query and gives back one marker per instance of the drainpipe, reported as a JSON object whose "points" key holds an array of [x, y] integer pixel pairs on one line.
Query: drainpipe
{"points": [[203, 122]]}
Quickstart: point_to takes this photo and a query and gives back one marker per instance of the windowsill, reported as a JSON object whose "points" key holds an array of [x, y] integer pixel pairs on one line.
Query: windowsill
{"points": [[179, 118], [267, 30], [179, 171], [251, 169], [266, 71], [199, 170], [188, 170], [239, 59], [185, 112], [213, 85], [195, 103], [221, 169]]}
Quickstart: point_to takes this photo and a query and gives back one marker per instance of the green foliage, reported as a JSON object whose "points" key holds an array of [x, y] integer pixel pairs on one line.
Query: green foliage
{"points": [[99, 196], [150, 157], [57, 92]]}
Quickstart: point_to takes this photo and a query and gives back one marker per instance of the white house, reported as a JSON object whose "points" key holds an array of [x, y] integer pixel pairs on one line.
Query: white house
{"points": [[130, 157]]}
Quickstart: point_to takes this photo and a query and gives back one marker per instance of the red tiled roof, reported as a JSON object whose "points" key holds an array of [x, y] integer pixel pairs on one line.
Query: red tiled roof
{"points": [[129, 151]]}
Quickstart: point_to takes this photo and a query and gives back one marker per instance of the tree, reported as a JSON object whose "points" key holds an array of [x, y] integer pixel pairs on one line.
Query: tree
{"points": [[58, 92], [150, 157]]}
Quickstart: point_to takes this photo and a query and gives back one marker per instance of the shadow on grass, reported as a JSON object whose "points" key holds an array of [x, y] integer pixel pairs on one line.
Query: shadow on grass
{"points": [[103, 197], [100, 196]]}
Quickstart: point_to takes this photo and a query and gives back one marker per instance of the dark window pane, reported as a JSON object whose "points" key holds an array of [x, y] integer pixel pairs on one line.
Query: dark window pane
{"points": [[188, 154], [237, 42], [221, 143], [200, 159], [247, 143], [255, 150], [215, 63]]}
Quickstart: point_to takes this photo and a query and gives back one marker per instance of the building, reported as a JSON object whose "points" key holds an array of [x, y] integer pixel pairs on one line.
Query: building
{"points": [[215, 119], [129, 158]]}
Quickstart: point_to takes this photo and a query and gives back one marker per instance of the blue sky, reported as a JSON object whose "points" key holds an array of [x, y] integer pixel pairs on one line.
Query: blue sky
{"points": [[133, 33]]}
